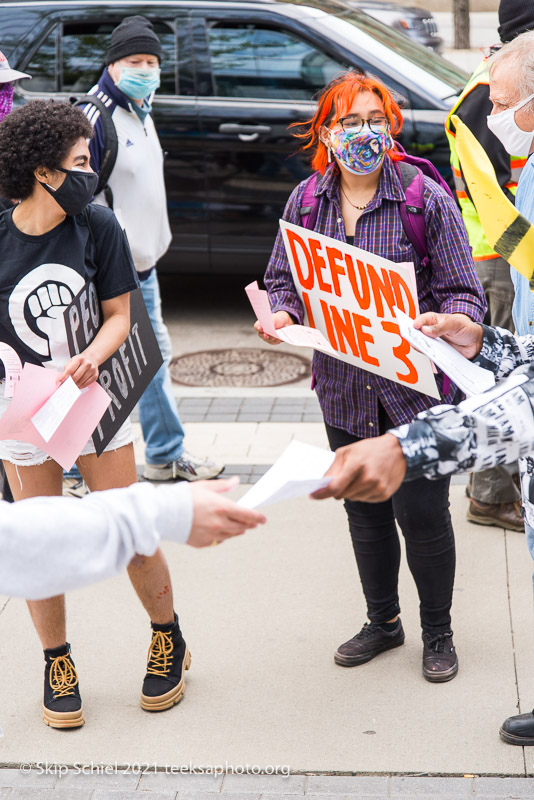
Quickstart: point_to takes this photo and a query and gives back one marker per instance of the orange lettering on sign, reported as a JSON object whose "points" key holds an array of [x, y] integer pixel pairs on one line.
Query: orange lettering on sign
{"points": [[403, 296], [401, 352], [381, 287], [329, 327], [364, 338], [307, 306], [361, 289], [319, 263], [344, 330], [334, 257], [294, 239]]}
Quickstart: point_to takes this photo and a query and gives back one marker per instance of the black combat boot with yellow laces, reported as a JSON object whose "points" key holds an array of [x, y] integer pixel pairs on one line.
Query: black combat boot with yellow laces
{"points": [[62, 706], [168, 658]]}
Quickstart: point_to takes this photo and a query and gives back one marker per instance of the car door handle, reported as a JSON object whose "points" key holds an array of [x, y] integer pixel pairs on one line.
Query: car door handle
{"points": [[247, 133]]}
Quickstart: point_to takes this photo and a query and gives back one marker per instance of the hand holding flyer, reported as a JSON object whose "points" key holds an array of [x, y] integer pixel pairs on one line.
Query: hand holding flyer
{"points": [[299, 470], [66, 422], [469, 377], [297, 335]]}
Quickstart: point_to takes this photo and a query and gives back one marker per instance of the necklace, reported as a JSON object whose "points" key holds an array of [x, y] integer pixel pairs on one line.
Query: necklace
{"points": [[349, 201]]}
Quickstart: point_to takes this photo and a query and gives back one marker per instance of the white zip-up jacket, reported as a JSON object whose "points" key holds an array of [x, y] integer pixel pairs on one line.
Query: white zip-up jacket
{"points": [[139, 197]]}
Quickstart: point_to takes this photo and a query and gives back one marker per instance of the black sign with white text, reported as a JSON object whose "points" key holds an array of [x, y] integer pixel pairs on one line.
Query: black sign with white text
{"points": [[124, 375]]}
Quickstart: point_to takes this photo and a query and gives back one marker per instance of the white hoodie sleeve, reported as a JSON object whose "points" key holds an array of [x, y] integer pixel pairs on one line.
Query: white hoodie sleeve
{"points": [[49, 545]]}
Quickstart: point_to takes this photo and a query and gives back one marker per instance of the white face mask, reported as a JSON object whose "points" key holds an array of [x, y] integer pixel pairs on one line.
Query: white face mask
{"points": [[515, 141]]}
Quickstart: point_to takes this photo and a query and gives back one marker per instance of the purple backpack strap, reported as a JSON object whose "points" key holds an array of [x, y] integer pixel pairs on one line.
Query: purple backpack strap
{"points": [[412, 211], [412, 214], [309, 207], [309, 203], [427, 168]]}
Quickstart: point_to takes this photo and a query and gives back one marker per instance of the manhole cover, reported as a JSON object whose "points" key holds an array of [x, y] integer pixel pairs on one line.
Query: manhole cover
{"points": [[246, 366]]}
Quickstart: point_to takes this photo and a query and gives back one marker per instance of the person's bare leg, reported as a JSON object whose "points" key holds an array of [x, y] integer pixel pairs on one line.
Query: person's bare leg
{"points": [[151, 580], [48, 616], [168, 656], [150, 576]]}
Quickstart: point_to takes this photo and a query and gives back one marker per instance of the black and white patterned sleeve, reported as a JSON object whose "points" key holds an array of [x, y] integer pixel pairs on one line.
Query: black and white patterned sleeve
{"points": [[502, 352], [496, 427]]}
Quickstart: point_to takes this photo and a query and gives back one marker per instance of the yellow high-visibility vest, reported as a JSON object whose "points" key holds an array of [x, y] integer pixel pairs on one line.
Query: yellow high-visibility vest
{"points": [[477, 239]]}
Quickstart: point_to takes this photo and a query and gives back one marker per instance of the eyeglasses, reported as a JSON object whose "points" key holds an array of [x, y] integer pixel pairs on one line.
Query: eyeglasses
{"points": [[356, 123]]}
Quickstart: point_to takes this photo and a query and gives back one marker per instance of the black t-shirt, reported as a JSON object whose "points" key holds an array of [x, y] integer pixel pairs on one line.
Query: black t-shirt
{"points": [[41, 275], [5, 204]]}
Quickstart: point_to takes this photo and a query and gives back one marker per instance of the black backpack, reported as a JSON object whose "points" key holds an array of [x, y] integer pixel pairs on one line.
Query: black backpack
{"points": [[111, 144]]}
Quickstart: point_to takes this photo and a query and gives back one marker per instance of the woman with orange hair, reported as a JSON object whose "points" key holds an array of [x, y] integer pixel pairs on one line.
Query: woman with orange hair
{"points": [[358, 194]]}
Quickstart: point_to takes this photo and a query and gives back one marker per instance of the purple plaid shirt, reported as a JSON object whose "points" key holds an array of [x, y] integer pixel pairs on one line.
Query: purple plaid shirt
{"points": [[348, 395]]}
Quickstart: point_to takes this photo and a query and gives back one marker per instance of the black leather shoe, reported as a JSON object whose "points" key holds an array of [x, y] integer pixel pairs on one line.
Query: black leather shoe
{"points": [[519, 729], [368, 643], [440, 662]]}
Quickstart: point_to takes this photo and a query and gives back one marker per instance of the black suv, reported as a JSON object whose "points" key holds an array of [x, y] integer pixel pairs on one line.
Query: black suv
{"points": [[235, 74]]}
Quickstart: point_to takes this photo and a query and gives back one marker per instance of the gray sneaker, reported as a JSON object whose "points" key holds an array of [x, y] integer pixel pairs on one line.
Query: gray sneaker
{"points": [[74, 487], [186, 468]]}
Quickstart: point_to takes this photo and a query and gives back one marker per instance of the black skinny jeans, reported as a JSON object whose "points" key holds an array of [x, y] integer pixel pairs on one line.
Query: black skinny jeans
{"points": [[421, 508]]}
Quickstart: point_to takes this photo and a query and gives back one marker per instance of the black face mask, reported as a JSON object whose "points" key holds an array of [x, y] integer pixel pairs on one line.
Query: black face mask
{"points": [[75, 192]]}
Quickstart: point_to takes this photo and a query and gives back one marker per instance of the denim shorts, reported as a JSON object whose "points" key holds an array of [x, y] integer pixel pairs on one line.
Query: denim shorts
{"points": [[24, 454]]}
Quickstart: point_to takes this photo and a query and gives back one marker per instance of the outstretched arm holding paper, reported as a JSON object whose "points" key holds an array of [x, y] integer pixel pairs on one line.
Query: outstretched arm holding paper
{"points": [[494, 349], [457, 329], [496, 427], [40, 556]]}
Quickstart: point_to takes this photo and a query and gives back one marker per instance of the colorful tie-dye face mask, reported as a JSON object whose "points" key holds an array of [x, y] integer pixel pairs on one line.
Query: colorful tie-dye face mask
{"points": [[6, 99], [361, 152]]}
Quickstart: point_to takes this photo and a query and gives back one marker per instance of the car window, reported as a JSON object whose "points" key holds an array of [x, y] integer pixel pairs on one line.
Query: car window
{"points": [[261, 62], [77, 65], [408, 58], [43, 66]]}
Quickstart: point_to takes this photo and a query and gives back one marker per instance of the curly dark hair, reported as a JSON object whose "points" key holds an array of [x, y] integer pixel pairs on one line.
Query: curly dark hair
{"points": [[38, 134]]}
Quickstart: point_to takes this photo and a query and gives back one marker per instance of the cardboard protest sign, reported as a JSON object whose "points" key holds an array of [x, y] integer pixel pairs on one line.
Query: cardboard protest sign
{"points": [[350, 296], [127, 373]]}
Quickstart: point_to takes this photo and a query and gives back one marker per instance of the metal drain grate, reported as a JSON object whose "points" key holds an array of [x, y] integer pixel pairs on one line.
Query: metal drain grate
{"points": [[244, 366]]}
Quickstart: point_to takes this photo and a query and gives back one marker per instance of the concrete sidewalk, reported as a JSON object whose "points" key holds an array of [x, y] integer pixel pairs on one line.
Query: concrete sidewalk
{"points": [[263, 616]]}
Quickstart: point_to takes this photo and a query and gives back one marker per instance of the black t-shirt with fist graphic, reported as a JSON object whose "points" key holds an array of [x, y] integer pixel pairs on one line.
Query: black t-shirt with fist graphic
{"points": [[41, 275]]}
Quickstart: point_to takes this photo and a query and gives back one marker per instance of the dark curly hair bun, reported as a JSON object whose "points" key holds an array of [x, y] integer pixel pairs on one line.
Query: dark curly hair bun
{"points": [[38, 134]]}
